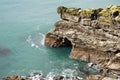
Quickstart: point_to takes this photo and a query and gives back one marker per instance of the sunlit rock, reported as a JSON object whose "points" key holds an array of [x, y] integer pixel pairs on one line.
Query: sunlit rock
{"points": [[94, 35]]}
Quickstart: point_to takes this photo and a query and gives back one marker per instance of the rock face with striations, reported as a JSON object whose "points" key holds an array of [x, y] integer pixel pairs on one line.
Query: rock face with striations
{"points": [[94, 35]]}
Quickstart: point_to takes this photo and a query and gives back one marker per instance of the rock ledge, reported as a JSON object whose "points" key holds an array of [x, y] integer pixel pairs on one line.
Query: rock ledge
{"points": [[94, 35]]}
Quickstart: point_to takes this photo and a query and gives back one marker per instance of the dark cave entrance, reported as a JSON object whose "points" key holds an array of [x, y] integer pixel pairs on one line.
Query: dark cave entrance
{"points": [[64, 42]]}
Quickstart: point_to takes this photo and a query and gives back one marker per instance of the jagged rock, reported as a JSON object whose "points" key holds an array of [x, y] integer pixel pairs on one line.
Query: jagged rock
{"points": [[13, 78], [107, 15], [58, 78], [87, 13], [98, 77], [94, 35], [86, 22], [35, 76], [71, 14]]}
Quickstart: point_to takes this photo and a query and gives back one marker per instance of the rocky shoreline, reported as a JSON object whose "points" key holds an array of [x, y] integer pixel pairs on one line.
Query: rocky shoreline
{"points": [[39, 76], [94, 35]]}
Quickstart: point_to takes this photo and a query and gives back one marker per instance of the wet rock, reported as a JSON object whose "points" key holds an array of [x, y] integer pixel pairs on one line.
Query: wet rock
{"points": [[35, 76], [58, 78], [13, 78]]}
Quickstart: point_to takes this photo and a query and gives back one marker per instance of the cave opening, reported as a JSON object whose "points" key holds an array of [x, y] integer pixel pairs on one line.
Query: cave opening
{"points": [[65, 43]]}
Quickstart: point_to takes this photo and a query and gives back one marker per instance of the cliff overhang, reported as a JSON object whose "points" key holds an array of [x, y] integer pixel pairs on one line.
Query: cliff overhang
{"points": [[94, 35]]}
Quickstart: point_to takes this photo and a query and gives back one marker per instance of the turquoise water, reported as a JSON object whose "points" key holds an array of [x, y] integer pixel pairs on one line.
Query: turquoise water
{"points": [[23, 24]]}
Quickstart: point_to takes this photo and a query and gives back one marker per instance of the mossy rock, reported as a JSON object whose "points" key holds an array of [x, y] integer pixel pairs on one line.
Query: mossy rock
{"points": [[104, 16], [105, 19], [105, 13], [98, 10], [86, 13], [61, 9], [73, 11], [115, 10]]}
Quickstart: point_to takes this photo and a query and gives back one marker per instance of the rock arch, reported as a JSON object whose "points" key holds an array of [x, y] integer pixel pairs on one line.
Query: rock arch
{"points": [[55, 41]]}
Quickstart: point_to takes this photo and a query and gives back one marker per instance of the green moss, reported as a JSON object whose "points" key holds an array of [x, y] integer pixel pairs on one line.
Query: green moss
{"points": [[108, 13], [104, 15], [105, 19], [73, 11], [114, 8], [86, 13]]}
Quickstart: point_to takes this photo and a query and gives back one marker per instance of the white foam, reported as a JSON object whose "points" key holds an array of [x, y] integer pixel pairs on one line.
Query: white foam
{"points": [[90, 64], [43, 38], [50, 76], [35, 75], [36, 40], [29, 39], [68, 73], [32, 45]]}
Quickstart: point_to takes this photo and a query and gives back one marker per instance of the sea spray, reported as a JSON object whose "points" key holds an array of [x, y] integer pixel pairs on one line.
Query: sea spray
{"points": [[43, 38], [36, 40], [66, 74]]}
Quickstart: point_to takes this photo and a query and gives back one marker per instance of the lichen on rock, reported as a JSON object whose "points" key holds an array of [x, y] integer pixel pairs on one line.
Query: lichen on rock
{"points": [[94, 35], [102, 15]]}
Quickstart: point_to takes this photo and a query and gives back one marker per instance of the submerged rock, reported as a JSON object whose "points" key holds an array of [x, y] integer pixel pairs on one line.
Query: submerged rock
{"points": [[4, 51]]}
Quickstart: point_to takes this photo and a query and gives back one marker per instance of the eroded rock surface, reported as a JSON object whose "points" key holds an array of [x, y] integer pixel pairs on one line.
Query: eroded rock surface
{"points": [[13, 78], [94, 35]]}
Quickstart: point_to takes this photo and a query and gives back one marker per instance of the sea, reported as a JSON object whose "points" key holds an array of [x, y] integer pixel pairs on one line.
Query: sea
{"points": [[23, 25]]}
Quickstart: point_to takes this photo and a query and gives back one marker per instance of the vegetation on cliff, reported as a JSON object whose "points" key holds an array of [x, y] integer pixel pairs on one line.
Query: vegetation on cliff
{"points": [[107, 14], [94, 35]]}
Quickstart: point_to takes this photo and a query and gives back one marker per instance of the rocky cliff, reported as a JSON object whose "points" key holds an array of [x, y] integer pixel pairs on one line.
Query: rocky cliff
{"points": [[94, 35]]}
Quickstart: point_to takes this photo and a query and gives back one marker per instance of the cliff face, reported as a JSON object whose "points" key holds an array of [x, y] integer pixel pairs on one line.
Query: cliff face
{"points": [[94, 34]]}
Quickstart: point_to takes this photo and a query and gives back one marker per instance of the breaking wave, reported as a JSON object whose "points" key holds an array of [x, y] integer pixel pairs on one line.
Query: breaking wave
{"points": [[67, 74], [36, 40]]}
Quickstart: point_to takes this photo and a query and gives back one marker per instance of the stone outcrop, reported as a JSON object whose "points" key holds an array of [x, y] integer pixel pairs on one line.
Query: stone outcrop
{"points": [[94, 35], [98, 77], [13, 78]]}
